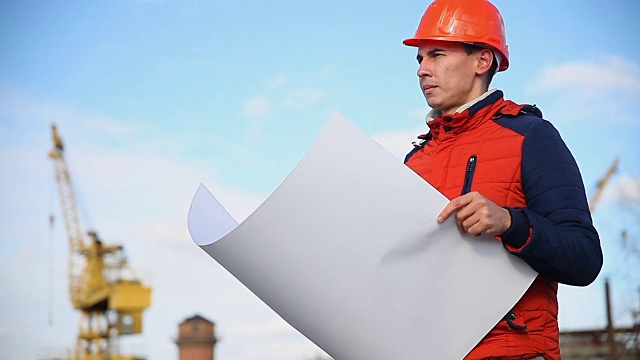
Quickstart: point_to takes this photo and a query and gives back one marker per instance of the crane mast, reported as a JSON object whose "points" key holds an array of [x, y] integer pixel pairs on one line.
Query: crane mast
{"points": [[110, 304]]}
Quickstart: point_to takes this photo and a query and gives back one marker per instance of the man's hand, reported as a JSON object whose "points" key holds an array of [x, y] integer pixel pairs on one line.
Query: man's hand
{"points": [[475, 214]]}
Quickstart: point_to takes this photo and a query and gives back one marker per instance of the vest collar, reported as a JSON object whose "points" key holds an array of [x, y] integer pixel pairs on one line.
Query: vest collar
{"points": [[465, 117]]}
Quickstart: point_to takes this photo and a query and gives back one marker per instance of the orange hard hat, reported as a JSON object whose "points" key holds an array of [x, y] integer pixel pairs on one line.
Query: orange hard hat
{"points": [[470, 21]]}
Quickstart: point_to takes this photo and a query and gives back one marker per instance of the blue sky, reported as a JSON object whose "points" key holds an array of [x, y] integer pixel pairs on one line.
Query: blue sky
{"points": [[154, 97]]}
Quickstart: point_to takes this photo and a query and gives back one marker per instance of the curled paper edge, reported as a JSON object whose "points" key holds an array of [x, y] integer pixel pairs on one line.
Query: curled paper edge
{"points": [[208, 221]]}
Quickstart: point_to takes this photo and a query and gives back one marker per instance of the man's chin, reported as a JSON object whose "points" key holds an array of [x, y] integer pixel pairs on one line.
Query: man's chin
{"points": [[433, 104]]}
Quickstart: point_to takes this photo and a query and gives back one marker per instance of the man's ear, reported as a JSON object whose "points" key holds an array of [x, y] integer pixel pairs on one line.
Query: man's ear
{"points": [[485, 58]]}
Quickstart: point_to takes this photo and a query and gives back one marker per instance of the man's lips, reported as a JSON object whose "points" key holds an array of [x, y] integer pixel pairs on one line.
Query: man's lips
{"points": [[428, 88]]}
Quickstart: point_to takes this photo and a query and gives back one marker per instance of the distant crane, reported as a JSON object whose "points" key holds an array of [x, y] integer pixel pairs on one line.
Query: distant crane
{"points": [[111, 304], [602, 183], [611, 343]]}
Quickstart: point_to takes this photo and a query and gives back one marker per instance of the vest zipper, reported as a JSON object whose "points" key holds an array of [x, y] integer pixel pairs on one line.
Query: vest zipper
{"points": [[468, 176]]}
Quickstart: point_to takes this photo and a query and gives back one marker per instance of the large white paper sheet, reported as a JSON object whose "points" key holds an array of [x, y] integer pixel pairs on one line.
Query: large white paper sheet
{"points": [[348, 251]]}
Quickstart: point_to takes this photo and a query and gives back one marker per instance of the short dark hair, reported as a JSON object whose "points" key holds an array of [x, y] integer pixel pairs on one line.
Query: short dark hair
{"points": [[472, 49]]}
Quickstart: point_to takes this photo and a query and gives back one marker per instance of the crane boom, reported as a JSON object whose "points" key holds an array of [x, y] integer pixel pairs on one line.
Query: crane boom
{"points": [[602, 183], [72, 220]]}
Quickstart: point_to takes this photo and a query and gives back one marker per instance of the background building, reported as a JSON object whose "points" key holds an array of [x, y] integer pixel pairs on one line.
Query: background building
{"points": [[196, 339]]}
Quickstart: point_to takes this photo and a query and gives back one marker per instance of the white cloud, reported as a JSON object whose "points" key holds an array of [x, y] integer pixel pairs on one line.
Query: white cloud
{"points": [[611, 74], [273, 327], [623, 189], [277, 81], [110, 126], [240, 203], [628, 188], [255, 131], [260, 106], [590, 89], [399, 143], [19, 107], [418, 113], [155, 190], [257, 107], [273, 336], [302, 98]]}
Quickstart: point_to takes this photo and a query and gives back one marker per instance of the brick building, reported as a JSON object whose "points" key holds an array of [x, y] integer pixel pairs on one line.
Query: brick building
{"points": [[196, 339]]}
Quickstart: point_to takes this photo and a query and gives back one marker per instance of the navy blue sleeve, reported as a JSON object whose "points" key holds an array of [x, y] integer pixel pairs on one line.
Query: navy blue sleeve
{"points": [[563, 245]]}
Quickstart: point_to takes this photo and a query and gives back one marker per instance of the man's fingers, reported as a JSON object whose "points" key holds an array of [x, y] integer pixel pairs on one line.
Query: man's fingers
{"points": [[476, 214], [453, 206]]}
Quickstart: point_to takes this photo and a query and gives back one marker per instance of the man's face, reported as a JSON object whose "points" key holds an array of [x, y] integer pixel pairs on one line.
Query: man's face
{"points": [[447, 75]]}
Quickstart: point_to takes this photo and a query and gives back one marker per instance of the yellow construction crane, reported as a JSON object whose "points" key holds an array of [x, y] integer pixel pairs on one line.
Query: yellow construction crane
{"points": [[602, 183], [111, 303]]}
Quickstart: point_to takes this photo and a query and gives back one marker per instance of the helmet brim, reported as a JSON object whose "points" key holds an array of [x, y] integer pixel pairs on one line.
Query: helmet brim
{"points": [[504, 60], [411, 42]]}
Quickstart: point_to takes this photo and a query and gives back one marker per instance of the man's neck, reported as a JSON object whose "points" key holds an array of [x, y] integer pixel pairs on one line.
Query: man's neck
{"points": [[434, 114]]}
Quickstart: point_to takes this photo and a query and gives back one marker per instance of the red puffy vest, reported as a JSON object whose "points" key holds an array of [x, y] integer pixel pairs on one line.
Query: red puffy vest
{"points": [[532, 329]]}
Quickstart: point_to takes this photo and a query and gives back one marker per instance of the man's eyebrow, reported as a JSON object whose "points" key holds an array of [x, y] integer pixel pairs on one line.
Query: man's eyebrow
{"points": [[433, 51], [429, 53]]}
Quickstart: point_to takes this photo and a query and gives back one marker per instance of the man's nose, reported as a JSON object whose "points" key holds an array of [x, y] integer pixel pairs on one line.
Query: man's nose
{"points": [[424, 70]]}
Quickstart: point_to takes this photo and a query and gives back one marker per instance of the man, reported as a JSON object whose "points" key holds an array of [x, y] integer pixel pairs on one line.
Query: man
{"points": [[507, 171]]}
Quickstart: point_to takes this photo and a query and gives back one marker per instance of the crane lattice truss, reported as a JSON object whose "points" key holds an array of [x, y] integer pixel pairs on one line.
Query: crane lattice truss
{"points": [[72, 223]]}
